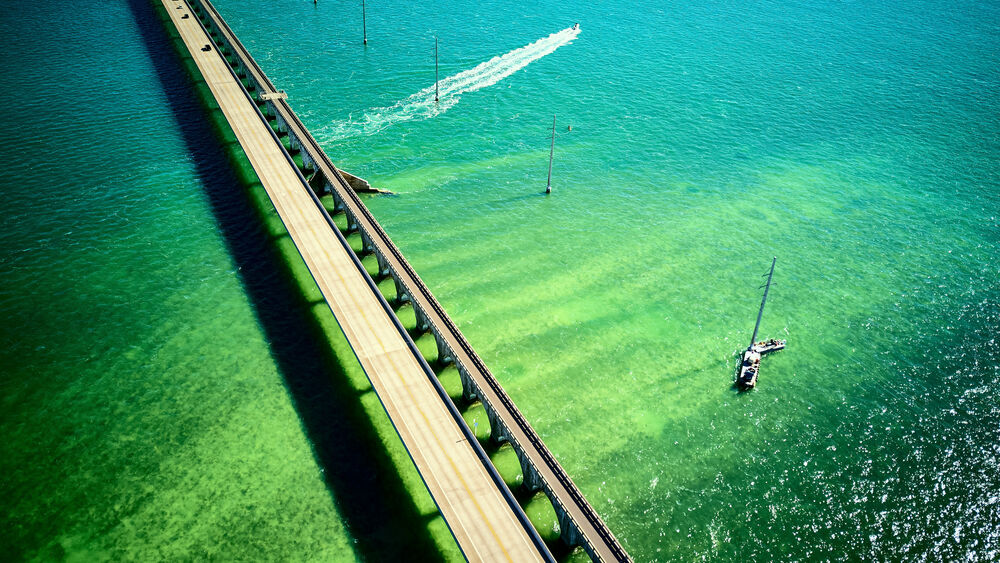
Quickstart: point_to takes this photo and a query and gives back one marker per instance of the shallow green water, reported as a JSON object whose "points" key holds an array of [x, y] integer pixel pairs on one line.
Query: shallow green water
{"points": [[168, 391], [856, 142], [146, 396]]}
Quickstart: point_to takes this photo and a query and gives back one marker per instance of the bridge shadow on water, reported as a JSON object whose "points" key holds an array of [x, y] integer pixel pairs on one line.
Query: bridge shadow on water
{"points": [[363, 482]]}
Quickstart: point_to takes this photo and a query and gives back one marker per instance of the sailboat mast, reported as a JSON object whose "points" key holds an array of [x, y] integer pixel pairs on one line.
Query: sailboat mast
{"points": [[762, 301], [552, 151]]}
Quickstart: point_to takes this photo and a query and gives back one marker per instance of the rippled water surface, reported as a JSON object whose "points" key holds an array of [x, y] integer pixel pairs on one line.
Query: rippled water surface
{"points": [[144, 404]]}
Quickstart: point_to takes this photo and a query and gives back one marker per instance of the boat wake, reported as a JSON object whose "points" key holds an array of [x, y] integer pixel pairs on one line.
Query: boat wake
{"points": [[422, 106]]}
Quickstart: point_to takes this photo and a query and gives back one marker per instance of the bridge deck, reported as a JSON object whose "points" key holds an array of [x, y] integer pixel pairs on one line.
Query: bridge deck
{"points": [[600, 541], [483, 523]]}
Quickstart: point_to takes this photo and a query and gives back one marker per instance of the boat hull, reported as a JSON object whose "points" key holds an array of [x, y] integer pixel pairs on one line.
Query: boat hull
{"points": [[749, 366]]}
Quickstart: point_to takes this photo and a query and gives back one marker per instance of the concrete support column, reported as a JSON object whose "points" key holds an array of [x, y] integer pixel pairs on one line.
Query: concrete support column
{"points": [[468, 386], [445, 355], [401, 295], [307, 161], [568, 531], [532, 480], [498, 432], [423, 325], [366, 243], [338, 204], [282, 126], [352, 222], [383, 265]]}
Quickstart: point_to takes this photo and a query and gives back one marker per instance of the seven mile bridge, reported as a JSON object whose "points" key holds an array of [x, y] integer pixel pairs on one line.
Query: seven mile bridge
{"points": [[482, 513]]}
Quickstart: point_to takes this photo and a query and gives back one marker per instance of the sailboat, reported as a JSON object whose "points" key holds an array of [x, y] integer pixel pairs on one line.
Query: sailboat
{"points": [[749, 368]]}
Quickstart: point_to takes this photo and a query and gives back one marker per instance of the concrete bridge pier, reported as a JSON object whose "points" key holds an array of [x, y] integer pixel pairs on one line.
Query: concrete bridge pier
{"points": [[241, 71], [269, 107], [352, 223], [383, 266], [468, 386], [293, 140], [569, 533], [309, 166], [282, 124], [307, 161], [338, 204], [445, 355], [401, 295], [423, 325], [532, 479], [498, 432], [367, 247]]}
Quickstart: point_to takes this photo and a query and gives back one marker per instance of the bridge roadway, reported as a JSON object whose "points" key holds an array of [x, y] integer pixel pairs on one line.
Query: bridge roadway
{"points": [[589, 528], [480, 517]]}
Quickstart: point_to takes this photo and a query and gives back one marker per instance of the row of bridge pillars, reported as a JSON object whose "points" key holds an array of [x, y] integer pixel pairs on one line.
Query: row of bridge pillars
{"points": [[499, 434]]}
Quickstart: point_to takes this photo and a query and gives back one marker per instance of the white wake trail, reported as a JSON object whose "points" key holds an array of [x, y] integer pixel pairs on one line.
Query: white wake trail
{"points": [[422, 105]]}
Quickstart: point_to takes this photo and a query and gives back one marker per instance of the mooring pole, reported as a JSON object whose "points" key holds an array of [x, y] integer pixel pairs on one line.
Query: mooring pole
{"points": [[435, 69], [552, 150], [762, 301], [364, 22]]}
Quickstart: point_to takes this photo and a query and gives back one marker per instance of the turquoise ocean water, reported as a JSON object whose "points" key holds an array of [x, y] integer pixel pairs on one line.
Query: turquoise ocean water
{"points": [[157, 404]]}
